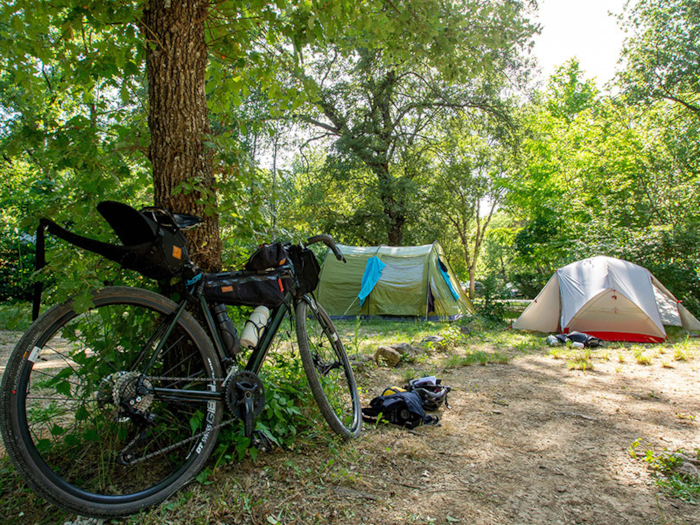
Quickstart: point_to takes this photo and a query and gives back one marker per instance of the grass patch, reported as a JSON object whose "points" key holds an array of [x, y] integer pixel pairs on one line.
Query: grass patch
{"points": [[679, 354], [19, 504], [641, 357], [15, 316], [580, 363], [557, 353], [581, 360], [475, 357], [673, 472]]}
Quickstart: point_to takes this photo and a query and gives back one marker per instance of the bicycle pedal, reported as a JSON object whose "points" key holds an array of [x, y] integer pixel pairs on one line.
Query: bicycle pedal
{"points": [[262, 442]]}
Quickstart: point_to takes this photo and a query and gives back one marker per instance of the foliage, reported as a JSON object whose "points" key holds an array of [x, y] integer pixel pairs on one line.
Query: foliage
{"points": [[616, 181], [16, 266], [282, 419], [383, 108], [467, 182], [492, 307], [15, 316], [416, 133], [669, 474], [661, 53], [332, 198]]}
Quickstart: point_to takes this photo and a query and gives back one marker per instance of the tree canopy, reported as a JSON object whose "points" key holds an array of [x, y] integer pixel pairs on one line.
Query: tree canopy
{"points": [[397, 122]]}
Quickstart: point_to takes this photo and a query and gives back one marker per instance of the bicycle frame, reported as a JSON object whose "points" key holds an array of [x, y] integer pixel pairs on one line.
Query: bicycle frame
{"points": [[255, 360]]}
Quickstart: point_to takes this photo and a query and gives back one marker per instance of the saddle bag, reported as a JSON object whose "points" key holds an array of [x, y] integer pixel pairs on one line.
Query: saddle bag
{"points": [[152, 244]]}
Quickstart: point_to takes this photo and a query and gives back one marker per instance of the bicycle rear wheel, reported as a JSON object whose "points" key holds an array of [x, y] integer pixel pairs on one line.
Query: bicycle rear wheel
{"points": [[99, 408], [328, 369]]}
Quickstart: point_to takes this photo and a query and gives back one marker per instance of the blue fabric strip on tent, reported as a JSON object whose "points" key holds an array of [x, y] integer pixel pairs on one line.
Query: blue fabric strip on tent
{"points": [[373, 271], [446, 276]]}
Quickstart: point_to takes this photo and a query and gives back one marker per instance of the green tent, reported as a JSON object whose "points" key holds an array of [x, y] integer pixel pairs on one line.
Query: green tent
{"points": [[396, 281]]}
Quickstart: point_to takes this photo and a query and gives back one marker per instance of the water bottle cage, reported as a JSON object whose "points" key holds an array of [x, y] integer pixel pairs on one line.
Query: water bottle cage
{"points": [[258, 327]]}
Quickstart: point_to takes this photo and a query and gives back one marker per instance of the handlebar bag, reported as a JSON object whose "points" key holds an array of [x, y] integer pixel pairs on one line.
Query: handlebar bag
{"points": [[306, 268], [267, 256], [248, 288]]}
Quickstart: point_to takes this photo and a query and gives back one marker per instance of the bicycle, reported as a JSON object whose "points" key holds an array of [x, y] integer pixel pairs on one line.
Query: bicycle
{"points": [[110, 409]]}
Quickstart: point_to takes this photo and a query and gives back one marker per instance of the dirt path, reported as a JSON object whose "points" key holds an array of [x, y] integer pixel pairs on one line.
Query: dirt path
{"points": [[528, 442], [532, 442]]}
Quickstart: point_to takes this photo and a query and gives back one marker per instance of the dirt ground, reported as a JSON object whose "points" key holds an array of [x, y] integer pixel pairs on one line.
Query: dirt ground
{"points": [[527, 442], [531, 442]]}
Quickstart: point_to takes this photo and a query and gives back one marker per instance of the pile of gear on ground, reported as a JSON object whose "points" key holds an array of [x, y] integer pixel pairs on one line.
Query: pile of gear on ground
{"points": [[406, 406]]}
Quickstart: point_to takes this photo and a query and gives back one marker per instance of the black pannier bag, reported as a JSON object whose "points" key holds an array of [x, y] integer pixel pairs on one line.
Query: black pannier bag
{"points": [[248, 288], [402, 408], [152, 244], [306, 268]]}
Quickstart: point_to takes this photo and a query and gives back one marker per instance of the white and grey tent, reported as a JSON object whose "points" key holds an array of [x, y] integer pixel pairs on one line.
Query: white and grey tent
{"points": [[608, 298]]}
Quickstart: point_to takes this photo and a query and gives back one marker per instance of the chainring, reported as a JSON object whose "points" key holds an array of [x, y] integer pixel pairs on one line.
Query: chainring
{"points": [[241, 387]]}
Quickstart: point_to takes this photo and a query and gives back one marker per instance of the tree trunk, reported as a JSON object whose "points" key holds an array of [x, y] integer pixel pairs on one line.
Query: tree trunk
{"points": [[393, 203], [472, 282], [176, 61]]}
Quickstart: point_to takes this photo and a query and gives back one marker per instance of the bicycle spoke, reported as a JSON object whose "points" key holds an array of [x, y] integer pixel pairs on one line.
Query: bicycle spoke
{"points": [[88, 400], [328, 370]]}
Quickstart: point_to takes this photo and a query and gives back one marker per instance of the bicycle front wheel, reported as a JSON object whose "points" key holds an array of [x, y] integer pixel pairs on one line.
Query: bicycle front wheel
{"points": [[109, 409], [328, 369]]}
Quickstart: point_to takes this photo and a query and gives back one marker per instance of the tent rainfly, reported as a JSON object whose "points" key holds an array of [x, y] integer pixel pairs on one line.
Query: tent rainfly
{"points": [[608, 298], [395, 281]]}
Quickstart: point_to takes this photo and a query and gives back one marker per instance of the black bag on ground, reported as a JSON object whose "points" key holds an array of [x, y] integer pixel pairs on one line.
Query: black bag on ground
{"points": [[432, 392], [403, 408], [248, 288], [306, 268], [580, 337]]}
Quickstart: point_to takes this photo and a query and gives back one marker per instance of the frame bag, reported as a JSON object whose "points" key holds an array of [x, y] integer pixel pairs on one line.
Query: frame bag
{"points": [[247, 288]]}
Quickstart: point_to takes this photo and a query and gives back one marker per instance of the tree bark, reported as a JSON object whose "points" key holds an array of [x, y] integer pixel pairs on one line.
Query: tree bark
{"points": [[176, 61], [393, 206]]}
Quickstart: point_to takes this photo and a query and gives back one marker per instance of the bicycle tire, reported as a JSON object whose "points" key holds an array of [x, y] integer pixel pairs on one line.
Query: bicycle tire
{"points": [[66, 392], [328, 369]]}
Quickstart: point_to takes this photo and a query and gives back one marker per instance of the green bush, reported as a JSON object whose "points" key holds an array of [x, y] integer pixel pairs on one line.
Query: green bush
{"points": [[16, 265], [282, 419], [493, 307]]}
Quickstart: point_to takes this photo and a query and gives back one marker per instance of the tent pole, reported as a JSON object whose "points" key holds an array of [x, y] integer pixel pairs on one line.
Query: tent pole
{"points": [[427, 288]]}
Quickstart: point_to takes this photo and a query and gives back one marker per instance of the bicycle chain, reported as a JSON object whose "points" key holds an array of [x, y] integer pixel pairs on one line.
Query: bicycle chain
{"points": [[184, 441]]}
